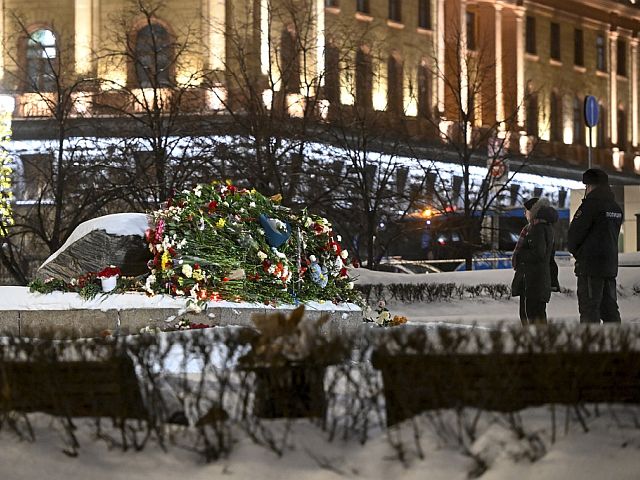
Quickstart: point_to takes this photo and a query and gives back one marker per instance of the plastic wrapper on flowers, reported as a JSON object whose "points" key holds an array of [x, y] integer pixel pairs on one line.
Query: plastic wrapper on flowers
{"points": [[220, 242]]}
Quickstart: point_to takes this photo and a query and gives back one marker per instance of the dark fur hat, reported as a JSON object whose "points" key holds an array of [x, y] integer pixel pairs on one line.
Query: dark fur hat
{"points": [[530, 203], [595, 176]]}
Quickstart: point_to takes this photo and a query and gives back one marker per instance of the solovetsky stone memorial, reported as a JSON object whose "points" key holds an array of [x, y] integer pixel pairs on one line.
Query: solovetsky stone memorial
{"points": [[110, 240]]}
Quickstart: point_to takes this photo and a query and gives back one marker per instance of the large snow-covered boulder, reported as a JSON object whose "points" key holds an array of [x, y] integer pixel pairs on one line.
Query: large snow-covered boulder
{"points": [[109, 240]]}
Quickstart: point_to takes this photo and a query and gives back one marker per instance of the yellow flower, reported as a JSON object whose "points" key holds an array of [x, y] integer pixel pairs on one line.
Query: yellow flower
{"points": [[166, 262], [221, 223], [228, 182], [197, 275]]}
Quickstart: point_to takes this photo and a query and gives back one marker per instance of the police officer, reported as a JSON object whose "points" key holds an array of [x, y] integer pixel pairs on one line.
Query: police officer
{"points": [[593, 241]]}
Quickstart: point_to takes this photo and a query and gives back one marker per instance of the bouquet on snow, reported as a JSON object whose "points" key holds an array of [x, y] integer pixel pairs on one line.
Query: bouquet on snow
{"points": [[218, 241]]}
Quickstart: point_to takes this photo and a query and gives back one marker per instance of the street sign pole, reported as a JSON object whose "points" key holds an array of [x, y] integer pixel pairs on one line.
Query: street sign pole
{"points": [[591, 113], [590, 144]]}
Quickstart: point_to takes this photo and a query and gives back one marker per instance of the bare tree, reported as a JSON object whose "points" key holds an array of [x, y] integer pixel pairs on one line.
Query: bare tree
{"points": [[159, 144], [64, 182], [272, 79], [479, 138]]}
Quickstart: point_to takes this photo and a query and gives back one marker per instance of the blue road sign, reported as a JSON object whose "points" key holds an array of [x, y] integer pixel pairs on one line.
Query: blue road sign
{"points": [[591, 111]]}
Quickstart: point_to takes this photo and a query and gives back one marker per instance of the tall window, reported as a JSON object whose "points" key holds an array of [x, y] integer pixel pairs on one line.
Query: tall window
{"points": [[601, 56], [332, 73], [153, 56], [532, 114], [555, 41], [578, 124], [578, 47], [424, 91], [364, 79], [621, 68], [530, 43], [424, 14], [555, 119], [622, 129], [471, 31], [290, 61], [395, 11], [363, 6], [42, 55], [602, 127], [394, 92]]}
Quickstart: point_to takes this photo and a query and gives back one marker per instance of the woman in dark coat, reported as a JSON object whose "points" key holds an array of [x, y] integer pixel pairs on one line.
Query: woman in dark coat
{"points": [[536, 273]]}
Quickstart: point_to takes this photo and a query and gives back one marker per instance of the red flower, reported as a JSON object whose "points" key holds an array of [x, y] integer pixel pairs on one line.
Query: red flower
{"points": [[225, 279], [110, 271], [212, 206], [196, 266], [232, 189], [343, 272], [172, 251]]}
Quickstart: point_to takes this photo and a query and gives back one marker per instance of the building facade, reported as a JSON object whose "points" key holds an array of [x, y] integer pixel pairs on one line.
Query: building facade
{"points": [[538, 59]]}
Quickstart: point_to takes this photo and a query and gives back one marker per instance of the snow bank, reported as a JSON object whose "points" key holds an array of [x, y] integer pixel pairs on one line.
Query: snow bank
{"points": [[19, 298]]}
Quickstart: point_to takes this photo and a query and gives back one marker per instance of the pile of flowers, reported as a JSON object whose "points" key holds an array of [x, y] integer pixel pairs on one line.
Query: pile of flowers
{"points": [[221, 242]]}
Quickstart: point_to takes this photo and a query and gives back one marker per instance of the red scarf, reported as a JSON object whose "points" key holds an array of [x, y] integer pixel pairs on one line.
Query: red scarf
{"points": [[523, 233]]}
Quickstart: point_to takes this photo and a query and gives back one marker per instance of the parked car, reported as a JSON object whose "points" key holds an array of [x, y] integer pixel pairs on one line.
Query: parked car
{"points": [[408, 268]]}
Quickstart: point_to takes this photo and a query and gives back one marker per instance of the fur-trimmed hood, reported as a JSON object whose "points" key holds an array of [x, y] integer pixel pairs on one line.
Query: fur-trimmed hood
{"points": [[542, 210]]}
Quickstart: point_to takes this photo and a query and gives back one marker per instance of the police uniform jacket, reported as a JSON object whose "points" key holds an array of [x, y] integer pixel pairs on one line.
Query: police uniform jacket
{"points": [[593, 234]]}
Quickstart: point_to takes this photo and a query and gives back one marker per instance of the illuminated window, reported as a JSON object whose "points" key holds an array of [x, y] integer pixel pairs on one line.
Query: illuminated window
{"points": [[42, 57]]}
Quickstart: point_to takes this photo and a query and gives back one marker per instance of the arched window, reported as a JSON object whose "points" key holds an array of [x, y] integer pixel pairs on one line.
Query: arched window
{"points": [[555, 117], [394, 92], [578, 124], [532, 114], [424, 91], [153, 51], [290, 61], [42, 57], [364, 79]]}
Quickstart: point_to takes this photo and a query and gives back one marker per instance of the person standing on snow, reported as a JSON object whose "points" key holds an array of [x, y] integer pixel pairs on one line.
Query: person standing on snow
{"points": [[536, 273], [593, 241]]}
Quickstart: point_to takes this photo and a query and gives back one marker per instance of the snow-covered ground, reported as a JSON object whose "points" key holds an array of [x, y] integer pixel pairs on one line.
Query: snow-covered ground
{"points": [[610, 449], [562, 307]]}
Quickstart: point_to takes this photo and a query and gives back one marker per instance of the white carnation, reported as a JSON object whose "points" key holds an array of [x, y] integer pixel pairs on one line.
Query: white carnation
{"points": [[344, 254], [187, 271]]}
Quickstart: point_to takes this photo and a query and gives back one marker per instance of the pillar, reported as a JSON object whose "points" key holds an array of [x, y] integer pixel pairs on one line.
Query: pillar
{"points": [[83, 36], [613, 86]]}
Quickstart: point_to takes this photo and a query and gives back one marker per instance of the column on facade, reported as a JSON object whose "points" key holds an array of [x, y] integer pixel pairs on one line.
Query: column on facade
{"points": [[215, 24], [265, 54], [634, 91], [440, 46], [83, 37], [500, 115], [2, 38], [520, 87], [613, 86], [464, 58]]}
